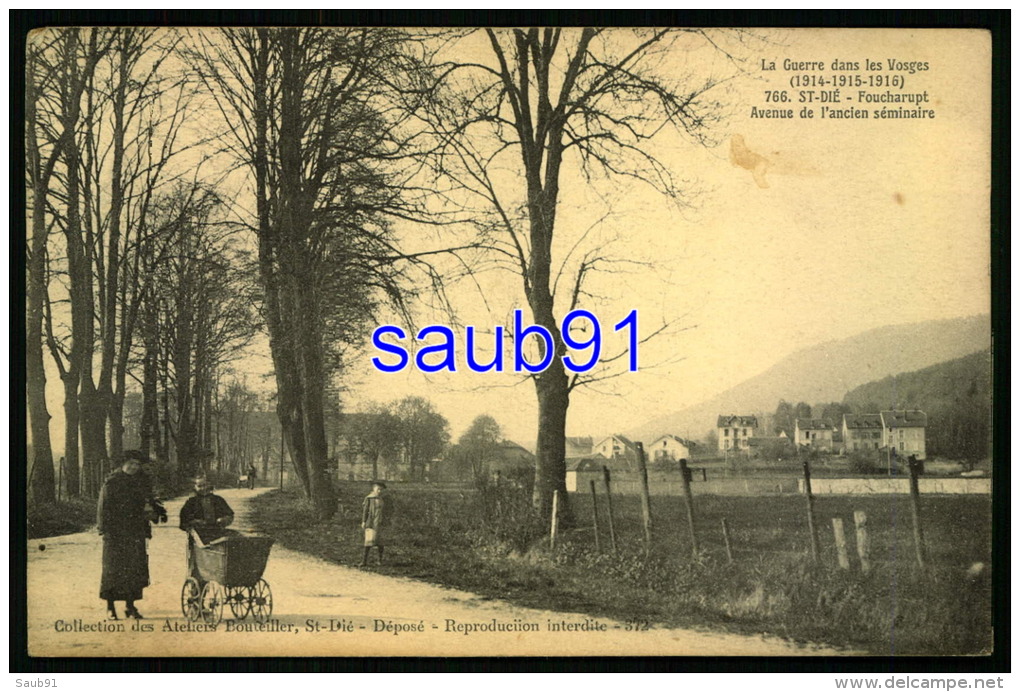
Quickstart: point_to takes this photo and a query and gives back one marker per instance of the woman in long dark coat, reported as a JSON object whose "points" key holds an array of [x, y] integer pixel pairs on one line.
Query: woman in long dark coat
{"points": [[126, 505]]}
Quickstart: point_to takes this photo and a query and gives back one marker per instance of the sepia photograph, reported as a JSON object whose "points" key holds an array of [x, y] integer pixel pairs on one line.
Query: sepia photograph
{"points": [[381, 341]]}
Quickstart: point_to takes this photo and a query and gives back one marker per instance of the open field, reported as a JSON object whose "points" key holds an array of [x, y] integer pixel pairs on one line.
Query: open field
{"points": [[489, 543]]}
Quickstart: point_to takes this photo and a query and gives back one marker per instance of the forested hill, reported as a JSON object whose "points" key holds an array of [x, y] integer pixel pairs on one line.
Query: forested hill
{"points": [[956, 395], [966, 380], [826, 372]]}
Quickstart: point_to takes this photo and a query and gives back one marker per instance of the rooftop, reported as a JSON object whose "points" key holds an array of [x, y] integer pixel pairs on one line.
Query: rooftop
{"points": [[741, 421]]}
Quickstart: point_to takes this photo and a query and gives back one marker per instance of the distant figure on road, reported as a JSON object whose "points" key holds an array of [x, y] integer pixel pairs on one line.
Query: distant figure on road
{"points": [[126, 506], [252, 475], [374, 516]]}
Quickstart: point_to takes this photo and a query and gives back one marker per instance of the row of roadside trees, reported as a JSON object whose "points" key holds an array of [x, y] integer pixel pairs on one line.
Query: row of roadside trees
{"points": [[189, 187]]}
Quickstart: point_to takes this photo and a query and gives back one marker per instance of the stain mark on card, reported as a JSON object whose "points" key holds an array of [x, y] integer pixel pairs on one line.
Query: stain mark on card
{"points": [[741, 155]]}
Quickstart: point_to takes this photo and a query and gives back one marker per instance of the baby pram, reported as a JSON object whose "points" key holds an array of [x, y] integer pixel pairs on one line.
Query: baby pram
{"points": [[227, 571]]}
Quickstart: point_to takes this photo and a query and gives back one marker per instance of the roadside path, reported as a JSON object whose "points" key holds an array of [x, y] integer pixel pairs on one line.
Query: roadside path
{"points": [[357, 612]]}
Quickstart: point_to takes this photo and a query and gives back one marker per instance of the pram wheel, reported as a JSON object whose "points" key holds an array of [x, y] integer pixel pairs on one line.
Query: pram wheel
{"points": [[191, 599], [212, 603], [239, 599], [260, 600]]}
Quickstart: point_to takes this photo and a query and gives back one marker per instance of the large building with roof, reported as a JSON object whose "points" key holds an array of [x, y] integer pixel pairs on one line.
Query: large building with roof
{"points": [[862, 431], [617, 447], [669, 448], [902, 432], [735, 432], [814, 433]]}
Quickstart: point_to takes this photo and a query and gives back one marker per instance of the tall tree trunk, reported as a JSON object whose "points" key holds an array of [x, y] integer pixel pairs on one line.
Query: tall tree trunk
{"points": [[72, 477], [163, 441], [108, 307], [41, 482], [293, 228], [115, 416], [312, 376], [149, 432], [95, 464], [187, 461], [550, 467], [552, 386], [91, 404]]}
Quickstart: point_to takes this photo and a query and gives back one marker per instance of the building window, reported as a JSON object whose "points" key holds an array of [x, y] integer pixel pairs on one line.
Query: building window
{"points": [[745, 432], [727, 444], [901, 446], [726, 432]]}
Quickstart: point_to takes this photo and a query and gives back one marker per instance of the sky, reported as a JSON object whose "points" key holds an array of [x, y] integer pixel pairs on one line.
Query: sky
{"points": [[863, 223]]}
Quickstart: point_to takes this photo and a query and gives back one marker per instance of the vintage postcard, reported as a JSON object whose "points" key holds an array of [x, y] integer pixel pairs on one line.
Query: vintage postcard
{"points": [[508, 342]]}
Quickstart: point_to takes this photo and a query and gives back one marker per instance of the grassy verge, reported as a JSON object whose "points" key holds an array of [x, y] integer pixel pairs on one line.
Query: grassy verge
{"points": [[61, 518], [488, 543]]}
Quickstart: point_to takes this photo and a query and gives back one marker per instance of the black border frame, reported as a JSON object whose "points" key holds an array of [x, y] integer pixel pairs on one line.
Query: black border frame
{"points": [[995, 21]]}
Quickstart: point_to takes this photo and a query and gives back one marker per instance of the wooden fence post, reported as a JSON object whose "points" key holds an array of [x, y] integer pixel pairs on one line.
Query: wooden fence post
{"points": [[837, 530], [863, 545], [915, 510], [685, 474], [811, 512], [595, 514], [609, 504], [554, 522], [646, 500], [726, 540]]}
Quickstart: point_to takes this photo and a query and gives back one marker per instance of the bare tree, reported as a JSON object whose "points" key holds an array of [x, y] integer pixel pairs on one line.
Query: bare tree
{"points": [[203, 315], [479, 443], [122, 111], [549, 103], [373, 433], [306, 116], [237, 410], [423, 433], [59, 70]]}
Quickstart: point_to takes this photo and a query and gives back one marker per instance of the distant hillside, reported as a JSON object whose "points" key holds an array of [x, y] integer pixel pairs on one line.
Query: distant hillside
{"points": [[962, 381], [828, 371], [956, 395]]}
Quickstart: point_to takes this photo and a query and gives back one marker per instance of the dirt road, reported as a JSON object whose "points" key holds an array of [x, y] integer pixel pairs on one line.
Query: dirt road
{"points": [[323, 609]]}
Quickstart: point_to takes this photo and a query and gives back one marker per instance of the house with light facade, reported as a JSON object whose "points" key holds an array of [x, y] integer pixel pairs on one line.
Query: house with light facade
{"points": [[813, 433], [903, 432], [617, 447], [900, 431], [735, 432], [862, 431], [669, 448]]}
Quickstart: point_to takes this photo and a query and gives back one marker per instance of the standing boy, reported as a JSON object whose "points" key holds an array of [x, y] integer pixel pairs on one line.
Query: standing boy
{"points": [[374, 516]]}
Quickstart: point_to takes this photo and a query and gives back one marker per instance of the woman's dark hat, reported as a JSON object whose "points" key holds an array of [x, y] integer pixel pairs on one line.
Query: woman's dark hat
{"points": [[136, 455], [380, 484]]}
